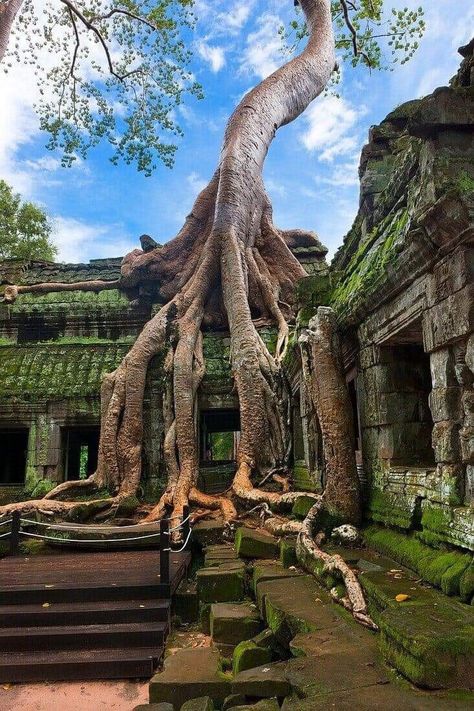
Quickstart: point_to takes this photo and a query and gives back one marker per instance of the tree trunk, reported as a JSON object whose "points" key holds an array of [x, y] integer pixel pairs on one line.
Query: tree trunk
{"points": [[228, 261], [323, 372], [8, 12]]}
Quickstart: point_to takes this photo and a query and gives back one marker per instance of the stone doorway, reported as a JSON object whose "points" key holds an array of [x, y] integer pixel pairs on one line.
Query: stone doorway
{"points": [[80, 452], [13, 455], [219, 434]]}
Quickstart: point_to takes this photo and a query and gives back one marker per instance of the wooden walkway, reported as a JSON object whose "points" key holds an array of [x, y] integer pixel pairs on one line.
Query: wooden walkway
{"points": [[85, 615]]}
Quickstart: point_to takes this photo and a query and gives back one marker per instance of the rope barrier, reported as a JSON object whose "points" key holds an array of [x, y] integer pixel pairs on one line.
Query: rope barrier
{"points": [[6, 523], [4, 535], [179, 550], [176, 528], [87, 540]]}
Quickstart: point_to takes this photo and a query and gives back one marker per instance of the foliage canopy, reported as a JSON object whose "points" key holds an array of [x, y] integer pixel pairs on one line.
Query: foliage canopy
{"points": [[25, 229]]}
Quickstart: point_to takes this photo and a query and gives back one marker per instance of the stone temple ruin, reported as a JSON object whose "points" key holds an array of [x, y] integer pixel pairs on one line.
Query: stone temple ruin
{"points": [[402, 285]]}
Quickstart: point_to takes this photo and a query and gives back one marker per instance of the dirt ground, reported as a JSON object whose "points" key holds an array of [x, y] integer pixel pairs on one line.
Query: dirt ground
{"points": [[118, 695]]}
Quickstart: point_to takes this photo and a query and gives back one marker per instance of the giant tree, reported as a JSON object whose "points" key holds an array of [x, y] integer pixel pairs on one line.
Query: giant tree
{"points": [[25, 228], [228, 263]]}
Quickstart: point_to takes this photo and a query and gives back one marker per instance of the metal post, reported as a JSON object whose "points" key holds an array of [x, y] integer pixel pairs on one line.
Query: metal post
{"points": [[15, 533], [186, 525], [164, 552]]}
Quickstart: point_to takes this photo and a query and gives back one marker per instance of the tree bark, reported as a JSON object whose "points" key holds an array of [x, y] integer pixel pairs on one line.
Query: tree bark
{"points": [[8, 12], [323, 372]]}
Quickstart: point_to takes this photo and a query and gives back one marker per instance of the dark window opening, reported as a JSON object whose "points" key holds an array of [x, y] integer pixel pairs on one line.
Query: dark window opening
{"points": [[81, 449], [352, 388], [32, 330], [407, 388], [220, 433], [13, 454]]}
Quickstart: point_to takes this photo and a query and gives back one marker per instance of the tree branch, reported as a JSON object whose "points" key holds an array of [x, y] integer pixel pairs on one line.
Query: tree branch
{"points": [[90, 26], [356, 49]]}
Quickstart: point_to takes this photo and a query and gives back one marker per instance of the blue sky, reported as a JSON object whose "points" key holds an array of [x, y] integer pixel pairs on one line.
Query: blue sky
{"points": [[311, 172]]}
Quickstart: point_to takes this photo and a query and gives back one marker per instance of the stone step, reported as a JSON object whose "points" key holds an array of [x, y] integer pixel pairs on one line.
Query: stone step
{"points": [[250, 543], [190, 674], [232, 623]]}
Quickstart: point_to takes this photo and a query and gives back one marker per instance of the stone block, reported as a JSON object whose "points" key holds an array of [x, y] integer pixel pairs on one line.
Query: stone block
{"points": [[449, 320], [445, 441], [231, 624], [262, 682], [186, 602], [262, 705], [445, 404], [288, 552], [233, 700], [248, 655], [190, 674], [203, 703], [301, 506], [469, 487], [221, 584], [154, 707], [442, 368], [254, 544]]}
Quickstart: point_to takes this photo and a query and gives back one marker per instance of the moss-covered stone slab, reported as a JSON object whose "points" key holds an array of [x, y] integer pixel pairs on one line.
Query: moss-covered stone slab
{"points": [[233, 623], [254, 544], [380, 697], [443, 569], [233, 700], [271, 570], [186, 602], [221, 584], [466, 584], [263, 705], [207, 533], [433, 646], [293, 605], [190, 674], [262, 682], [248, 654], [288, 552], [217, 554], [203, 703], [302, 506]]}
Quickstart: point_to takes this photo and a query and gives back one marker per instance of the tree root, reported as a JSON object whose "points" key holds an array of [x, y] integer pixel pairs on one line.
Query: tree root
{"points": [[308, 547]]}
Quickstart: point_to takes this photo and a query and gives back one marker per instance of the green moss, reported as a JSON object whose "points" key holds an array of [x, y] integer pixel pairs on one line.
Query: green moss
{"points": [[252, 544], [288, 552], [303, 480], [302, 506], [248, 655], [431, 646], [465, 183], [367, 267], [440, 568], [466, 584], [389, 509], [223, 584]]}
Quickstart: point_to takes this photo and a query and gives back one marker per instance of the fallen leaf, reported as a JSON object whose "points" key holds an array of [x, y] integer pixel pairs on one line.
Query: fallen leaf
{"points": [[45, 604], [401, 597], [7, 687]]}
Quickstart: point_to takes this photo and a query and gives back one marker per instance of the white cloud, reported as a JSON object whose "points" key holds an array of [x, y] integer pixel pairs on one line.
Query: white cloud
{"points": [[196, 183], [262, 55], [75, 238], [236, 17], [331, 126], [275, 188], [214, 56]]}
